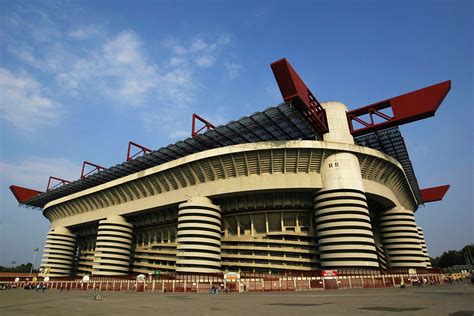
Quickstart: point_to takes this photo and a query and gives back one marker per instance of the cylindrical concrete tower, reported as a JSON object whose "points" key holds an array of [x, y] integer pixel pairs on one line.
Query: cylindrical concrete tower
{"points": [[59, 252], [400, 238], [423, 246], [343, 224], [199, 237], [113, 246]]}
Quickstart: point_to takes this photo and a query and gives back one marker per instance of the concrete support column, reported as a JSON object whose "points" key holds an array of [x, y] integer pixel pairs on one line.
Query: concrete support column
{"points": [[400, 238], [59, 252], [423, 246], [199, 237], [113, 247], [343, 224]]}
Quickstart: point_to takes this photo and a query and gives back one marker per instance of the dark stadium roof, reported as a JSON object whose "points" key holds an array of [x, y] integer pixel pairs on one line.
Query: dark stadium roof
{"points": [[390, 141], [282, 122]]}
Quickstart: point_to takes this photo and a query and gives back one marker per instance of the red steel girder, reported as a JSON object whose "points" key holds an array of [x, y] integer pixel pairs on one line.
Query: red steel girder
{"points": [[143, 150], [406, 108], [96, 168], [60, 182], [294, 90], [434, 194], [206, 126], [22, 194]]}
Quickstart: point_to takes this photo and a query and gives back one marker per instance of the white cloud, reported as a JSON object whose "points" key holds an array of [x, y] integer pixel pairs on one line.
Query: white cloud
{"points": [[86, 62], [179, 82], [118, 70], [179, 50], [34, 172], [198, 45], [205, 61], [200, 52], [23, 102], [233, 70], [114, 68], [26, 53], [224, 39], [123, 49], [170, 120], [176, 61], [83, 32], [121, 71], [175, 89]]}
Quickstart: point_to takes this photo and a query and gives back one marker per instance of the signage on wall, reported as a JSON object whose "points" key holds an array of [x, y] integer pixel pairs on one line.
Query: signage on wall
{"points": [[329, 273], [232, 276]]}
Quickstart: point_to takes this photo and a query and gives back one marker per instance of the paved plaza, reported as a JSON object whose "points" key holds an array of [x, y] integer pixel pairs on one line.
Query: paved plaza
{"points": [[452, 299]]}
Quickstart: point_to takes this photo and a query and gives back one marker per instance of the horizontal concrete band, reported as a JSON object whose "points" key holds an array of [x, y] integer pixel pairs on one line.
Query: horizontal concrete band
{"points": [[307, 155], [200, 269]]}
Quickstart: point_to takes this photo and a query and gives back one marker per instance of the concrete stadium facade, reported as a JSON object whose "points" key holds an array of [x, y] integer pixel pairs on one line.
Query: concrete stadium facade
{"points": [[277, 206]]}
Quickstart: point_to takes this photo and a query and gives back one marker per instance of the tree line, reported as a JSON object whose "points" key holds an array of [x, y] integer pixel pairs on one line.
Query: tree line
{"points": [[451, 258], [22, 268]]}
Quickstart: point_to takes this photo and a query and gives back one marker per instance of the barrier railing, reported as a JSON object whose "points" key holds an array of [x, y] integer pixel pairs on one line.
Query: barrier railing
{"points": [[204, 283]]}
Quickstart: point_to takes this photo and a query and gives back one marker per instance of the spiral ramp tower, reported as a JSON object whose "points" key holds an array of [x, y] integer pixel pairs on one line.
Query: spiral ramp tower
{"points": [[423, 247], [400, 238], [59, 252], [199, 237], [343, 224], [113, 247]]}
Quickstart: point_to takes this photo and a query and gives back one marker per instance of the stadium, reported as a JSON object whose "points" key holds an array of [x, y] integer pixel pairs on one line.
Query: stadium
{"points": [[302, 186]]}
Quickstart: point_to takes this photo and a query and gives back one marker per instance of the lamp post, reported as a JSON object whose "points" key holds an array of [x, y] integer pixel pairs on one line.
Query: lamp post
{"points": [[34, 258]]}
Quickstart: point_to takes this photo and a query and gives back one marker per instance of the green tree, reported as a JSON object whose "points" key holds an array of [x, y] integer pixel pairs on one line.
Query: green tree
{"points": [[453, 257], [22, 268]]}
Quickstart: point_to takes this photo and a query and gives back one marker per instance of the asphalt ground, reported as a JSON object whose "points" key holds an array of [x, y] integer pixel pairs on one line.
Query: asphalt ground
{"points": [[450, 299]]}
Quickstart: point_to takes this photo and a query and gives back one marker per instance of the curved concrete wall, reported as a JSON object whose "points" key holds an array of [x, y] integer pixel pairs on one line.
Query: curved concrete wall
{"points": [[59, 252], [343, 224], [230, 170], [423, 247], [400, 238], [199, 237], [113, 247]]}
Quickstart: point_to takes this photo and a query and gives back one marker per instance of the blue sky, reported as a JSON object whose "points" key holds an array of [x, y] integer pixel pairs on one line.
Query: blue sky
{"points": [[78, 80]]}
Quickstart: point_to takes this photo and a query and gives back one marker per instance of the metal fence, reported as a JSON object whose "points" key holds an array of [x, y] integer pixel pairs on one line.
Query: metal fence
{"points": [[204, 284]]}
